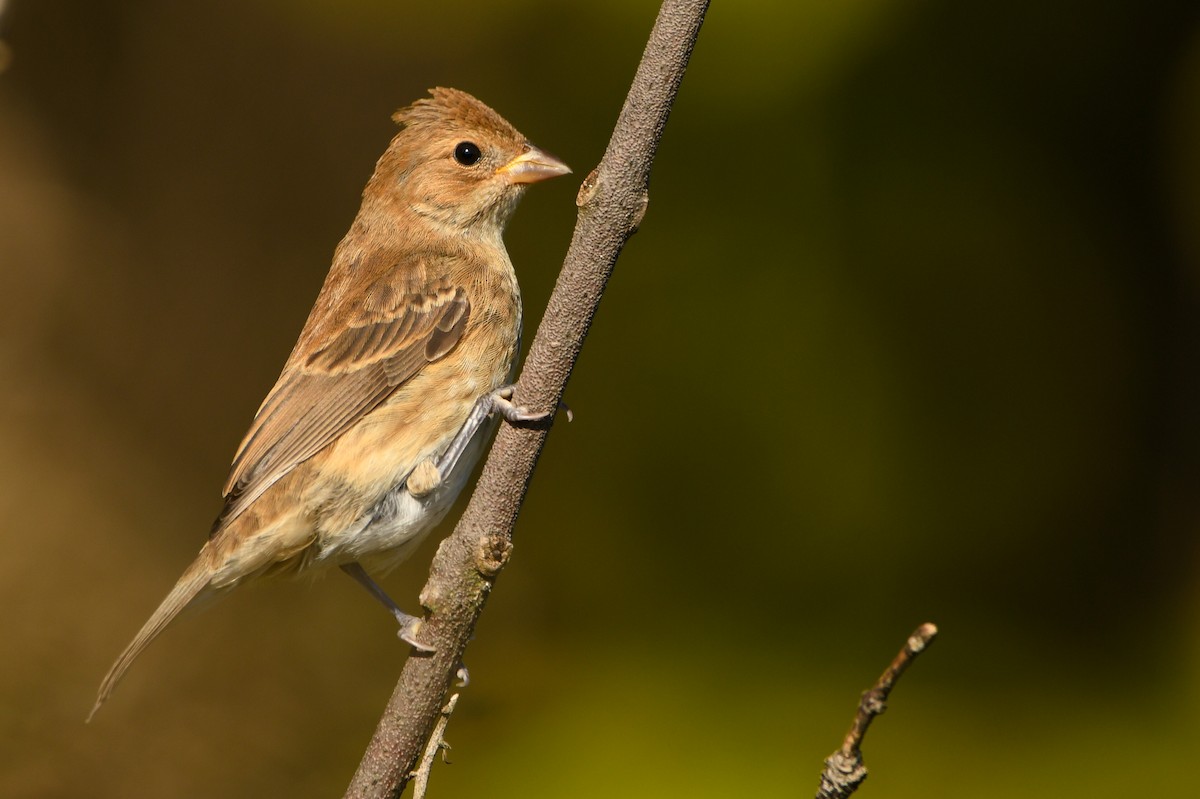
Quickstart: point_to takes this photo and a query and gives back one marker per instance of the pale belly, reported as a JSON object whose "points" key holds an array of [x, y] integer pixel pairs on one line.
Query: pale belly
{"points": [[397, 523]]}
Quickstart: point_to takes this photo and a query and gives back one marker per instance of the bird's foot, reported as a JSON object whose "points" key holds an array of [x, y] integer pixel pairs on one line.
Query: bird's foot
{"points": [[501, 403], [498, 401], [409, 627]]}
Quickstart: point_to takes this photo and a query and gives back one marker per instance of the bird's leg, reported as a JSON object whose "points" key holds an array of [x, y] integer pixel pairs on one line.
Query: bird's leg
{"points": [[498, 401], [409, 625]]}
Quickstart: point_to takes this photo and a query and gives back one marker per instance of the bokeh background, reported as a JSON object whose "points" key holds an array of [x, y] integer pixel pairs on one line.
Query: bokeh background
{"points": [[909, 334]]}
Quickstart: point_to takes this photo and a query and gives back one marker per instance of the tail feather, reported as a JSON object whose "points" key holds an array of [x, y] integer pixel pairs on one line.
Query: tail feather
{"points": [[190, 586]]}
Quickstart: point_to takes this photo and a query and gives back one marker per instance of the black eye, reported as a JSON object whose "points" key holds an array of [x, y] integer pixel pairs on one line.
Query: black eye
{"points": [[467, 153]]}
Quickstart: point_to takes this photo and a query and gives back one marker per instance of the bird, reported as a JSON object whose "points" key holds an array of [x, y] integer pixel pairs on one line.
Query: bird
{"points": [[398, 376]]}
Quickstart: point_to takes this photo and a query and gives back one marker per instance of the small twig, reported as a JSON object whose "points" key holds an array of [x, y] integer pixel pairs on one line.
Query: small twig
{"points": [[437, 743], [844, 769]]}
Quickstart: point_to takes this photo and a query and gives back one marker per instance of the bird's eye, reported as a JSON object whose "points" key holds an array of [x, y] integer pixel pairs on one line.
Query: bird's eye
{"points": [[467, 153]]}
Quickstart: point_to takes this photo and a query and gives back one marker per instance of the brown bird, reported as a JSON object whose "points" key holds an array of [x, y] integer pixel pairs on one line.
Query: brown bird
{"points": [[380, 412]]}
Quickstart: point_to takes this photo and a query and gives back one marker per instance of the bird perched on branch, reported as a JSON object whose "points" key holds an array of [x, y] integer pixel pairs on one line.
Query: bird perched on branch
{"points": [[380, 412]]}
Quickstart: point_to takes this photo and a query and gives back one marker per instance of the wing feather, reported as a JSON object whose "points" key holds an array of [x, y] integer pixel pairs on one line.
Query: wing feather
{"points": [[318, 398]]}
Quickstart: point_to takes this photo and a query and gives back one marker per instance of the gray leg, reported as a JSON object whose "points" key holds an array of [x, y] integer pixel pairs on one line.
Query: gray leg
{"points": [[496, 402], [409, 625]]}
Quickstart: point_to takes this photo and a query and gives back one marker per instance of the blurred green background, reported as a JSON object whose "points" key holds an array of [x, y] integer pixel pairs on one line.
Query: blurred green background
{"points": [[909, 333]]}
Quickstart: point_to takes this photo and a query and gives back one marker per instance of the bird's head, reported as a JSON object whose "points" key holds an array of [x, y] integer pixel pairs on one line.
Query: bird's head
{"points": [[458, 163]]}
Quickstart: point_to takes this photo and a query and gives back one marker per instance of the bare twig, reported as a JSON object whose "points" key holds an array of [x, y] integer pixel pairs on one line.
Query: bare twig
{"points": [[844, 769], [611, 204], [437, 745]]}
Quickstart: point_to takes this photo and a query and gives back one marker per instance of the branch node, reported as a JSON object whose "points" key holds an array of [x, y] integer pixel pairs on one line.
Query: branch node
{"points": [[872, 703], [639, 213], [494, 551], [843, 774], [430, 596], [587, 189]]}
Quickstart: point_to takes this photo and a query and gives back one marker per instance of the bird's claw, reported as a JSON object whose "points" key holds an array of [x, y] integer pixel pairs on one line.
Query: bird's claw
{"points": [[409, 627], [502, 404]]}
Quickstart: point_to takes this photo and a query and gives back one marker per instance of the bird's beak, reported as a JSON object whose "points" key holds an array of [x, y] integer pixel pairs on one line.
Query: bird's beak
{"points": [[533, 165]]}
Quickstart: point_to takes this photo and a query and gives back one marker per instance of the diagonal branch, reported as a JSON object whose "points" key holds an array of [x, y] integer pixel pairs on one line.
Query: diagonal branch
{"points": [[611, 203], [844, 769]]}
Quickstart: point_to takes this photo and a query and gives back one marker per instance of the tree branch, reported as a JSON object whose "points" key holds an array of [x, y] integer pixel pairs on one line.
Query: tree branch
{"points": [[437, 745], [844, 769], [611, 204]]}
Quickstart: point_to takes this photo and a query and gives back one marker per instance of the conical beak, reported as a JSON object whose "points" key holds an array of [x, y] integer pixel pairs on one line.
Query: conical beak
{"points": [[533, 165]]}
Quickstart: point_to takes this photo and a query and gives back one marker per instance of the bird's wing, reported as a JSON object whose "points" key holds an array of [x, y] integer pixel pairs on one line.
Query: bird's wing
{"points": [[318, 397]]}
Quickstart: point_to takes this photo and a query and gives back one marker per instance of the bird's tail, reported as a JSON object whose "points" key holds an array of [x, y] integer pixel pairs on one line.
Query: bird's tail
{"points": [[191, 585]]}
